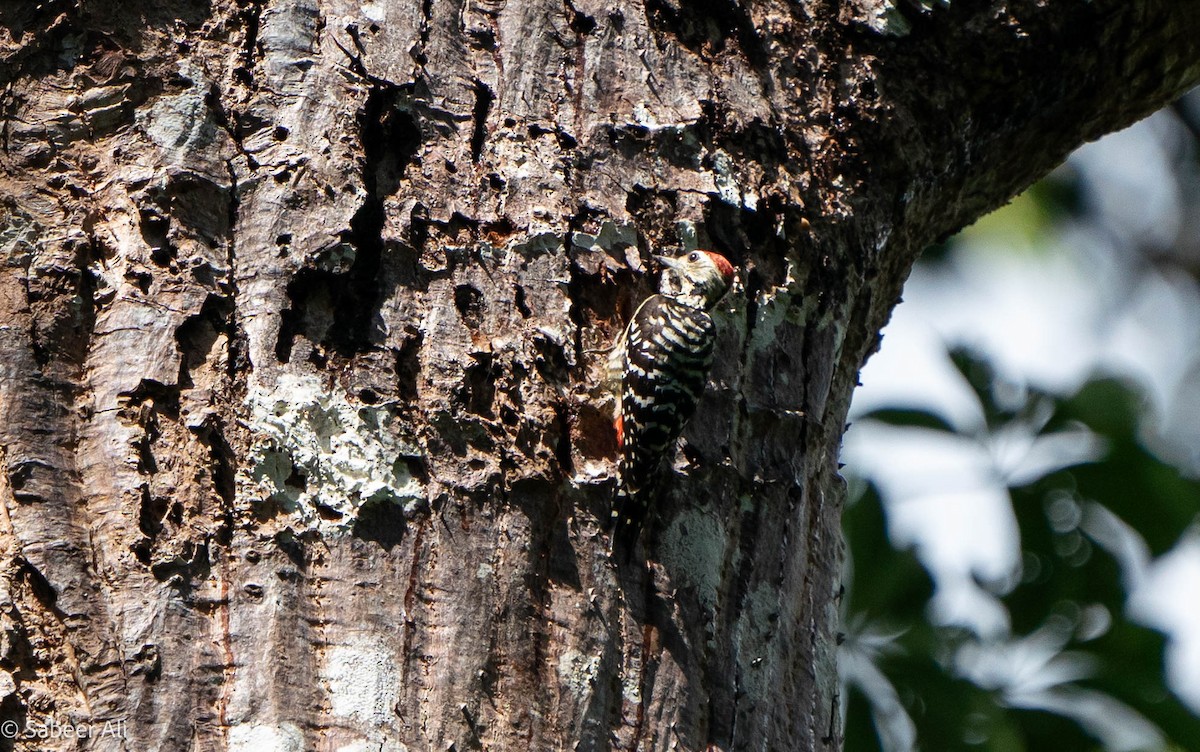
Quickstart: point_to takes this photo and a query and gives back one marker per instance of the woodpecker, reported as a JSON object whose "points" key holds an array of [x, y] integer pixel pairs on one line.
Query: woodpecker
{"points": [[662, 360]]}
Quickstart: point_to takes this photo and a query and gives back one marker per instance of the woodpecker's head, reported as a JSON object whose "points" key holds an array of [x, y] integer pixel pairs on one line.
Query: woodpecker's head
{"points": [[698, 279]]}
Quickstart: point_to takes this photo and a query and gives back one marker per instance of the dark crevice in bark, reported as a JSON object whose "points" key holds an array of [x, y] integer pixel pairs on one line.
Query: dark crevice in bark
{"points": [[408, 626], [574, 313], [755, 141], [60, 294], [40, 588], [551, 360], [198, 333], [55, 21], [645, 684], [562, 446], [705, 26], [143, 445], [223, 466], [163, 398], [251, 17], [381, 521], [152, 512], [674, 145], [418, 52], [408, 365], [484, 96], [340, 309], [468, 301], [580, 23], [478, 391], [520, 302]]}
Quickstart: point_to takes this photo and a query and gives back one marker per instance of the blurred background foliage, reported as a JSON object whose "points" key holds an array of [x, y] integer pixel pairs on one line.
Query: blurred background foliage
{"points": [[1023, 559]]}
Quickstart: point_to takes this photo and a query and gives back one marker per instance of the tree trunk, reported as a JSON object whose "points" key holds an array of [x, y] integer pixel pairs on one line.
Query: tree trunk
{"points": [[302, 307]]}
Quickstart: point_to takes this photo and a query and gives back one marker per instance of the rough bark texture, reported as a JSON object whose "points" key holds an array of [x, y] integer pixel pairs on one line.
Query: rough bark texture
{"points": [[304, 444]]}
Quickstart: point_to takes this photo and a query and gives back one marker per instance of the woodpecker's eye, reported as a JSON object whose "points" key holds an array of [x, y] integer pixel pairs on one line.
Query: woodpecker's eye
{"points": [[694, 256]]}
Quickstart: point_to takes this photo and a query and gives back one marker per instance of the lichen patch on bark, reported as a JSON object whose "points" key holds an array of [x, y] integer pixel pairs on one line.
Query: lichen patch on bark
{"points": [[320, 457]]}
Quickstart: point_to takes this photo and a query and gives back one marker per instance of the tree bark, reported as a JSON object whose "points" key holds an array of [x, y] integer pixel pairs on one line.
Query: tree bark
{"points": [[305, 444]]}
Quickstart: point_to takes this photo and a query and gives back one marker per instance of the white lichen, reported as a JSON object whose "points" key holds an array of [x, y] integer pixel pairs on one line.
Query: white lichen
{"points": [[362, 681], [612, 237], [577, 672], [315, 446], [383, 745], [285, 737]]}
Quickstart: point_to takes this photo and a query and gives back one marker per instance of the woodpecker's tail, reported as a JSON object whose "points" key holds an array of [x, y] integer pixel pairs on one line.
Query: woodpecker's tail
{"points": [[631, 508]]}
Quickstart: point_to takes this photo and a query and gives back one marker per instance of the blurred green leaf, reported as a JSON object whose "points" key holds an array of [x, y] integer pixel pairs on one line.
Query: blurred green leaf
{"points": [[911, 418], [1066, 577]]}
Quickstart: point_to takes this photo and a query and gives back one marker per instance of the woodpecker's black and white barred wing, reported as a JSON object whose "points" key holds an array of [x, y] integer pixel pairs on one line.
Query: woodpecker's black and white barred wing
{"points": [[668, 350]]}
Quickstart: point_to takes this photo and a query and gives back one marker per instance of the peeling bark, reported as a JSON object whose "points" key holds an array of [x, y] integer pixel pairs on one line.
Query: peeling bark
{"points": [[304, 440]]}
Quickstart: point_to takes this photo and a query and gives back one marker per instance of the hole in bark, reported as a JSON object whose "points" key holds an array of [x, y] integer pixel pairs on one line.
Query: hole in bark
{"points": [[391, 138], [151, 513], [595, 436], [731, 230], [469, 302], [522, 306], [408, 366], [483, 103], [326, 512], [551, 360], [509, 416], [163, 397], [479, 382], [380, 521], [146, 462], [195, 337], [162, 255], [582, 23], [562, 447], [297, 479], [705, 27], [565, 140], [155, 226], [221, 463], [483, 38], [190, 565], [147, 663], [141, 551], [292, 546], [140, 279]]}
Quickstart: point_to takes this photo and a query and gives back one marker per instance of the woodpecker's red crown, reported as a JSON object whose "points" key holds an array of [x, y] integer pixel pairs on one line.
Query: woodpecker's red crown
{"points": [[722, 264]]}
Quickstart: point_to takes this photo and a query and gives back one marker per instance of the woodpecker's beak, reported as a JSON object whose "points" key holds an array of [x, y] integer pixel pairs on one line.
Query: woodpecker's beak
{"points": [[667, 261]]}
